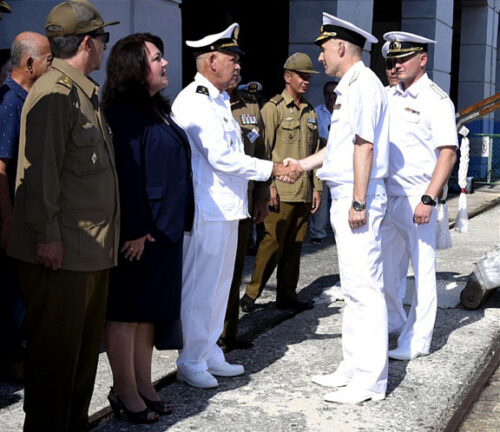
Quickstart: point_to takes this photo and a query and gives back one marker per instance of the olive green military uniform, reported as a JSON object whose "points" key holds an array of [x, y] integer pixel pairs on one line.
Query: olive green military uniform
{"points": [[66, 191], [246, 111], [290, 131]]}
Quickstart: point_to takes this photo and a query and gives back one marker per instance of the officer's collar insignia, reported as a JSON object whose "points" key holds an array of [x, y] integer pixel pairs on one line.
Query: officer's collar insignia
{"points": [[202, 90]]}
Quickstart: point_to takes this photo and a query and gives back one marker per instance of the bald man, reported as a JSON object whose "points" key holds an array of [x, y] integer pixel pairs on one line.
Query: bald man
{"points": [[31, 58]]}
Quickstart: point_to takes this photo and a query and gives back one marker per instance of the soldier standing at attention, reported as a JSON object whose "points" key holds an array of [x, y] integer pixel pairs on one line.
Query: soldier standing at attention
{"points": [[246, 111], [423, 152], [354, 164], [291, 127], [65, 228]]}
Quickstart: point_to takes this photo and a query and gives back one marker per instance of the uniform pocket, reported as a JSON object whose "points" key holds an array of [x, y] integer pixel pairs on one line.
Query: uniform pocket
{"points": [[84, 235], [290, 131], [86, 155]]}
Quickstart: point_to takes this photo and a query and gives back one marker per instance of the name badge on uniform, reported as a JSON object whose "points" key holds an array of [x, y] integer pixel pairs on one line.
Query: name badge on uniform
{"points": [[311, 120], [253, 135], [94, 158], [289, 119], [87, 125]]}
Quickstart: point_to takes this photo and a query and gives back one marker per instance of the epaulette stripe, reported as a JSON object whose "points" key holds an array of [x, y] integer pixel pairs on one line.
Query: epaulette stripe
{"points": [[438, 90]]}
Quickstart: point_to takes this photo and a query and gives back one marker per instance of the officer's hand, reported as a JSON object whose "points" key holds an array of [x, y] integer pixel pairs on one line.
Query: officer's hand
{"points": [[356, 218], [316, 202], [422, 214], [274, 201], [288, 173], [49, 254], [134, 248], [260, 210]]}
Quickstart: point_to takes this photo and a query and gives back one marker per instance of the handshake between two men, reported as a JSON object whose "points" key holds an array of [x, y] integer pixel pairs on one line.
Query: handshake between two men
{"points": [[288, 171]]}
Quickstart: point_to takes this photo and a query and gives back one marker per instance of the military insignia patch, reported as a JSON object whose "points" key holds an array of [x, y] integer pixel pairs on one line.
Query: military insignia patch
{"points": [[65, 81], [202, 90], [253, 87]]}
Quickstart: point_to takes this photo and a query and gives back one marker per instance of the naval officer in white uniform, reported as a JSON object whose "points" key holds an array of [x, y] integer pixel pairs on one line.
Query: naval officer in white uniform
{"points": [[423, 142], [355, 163], [221, 171]]}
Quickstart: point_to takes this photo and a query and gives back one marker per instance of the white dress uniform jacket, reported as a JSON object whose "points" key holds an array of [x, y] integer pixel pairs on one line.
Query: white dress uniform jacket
{"points": [[360, 108], [422, 120], [362, 111], [221, 171]]}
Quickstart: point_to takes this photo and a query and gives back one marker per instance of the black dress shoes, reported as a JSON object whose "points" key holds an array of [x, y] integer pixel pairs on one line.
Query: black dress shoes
{"points": [[247, 304], [233, 344], [295, 305]]}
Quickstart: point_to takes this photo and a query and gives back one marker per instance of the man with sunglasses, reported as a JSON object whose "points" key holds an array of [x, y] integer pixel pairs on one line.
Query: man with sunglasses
{"points": [[423, 142], [291, 130], [65, 227]]}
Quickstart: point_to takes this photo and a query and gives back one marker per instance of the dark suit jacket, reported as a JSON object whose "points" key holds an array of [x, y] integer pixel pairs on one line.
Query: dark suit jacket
{"points": [[153, 161]]}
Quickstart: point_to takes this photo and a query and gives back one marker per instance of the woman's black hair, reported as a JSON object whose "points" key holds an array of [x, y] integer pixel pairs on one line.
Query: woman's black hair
{"points": [[126, 74]]}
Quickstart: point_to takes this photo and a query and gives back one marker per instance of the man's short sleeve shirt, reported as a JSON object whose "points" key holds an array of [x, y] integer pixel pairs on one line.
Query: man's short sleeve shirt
{"points": [[12, 97], [324, 120], [360, 109], [422, 120]]}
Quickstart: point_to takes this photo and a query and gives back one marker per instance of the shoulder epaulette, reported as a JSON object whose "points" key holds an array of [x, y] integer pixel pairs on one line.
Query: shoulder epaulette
{"points": [[354, 77], [276, 99], [65, 81], [202, 89], [442, 94]]}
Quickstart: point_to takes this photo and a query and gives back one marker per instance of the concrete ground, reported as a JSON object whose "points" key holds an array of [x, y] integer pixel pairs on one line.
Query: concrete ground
{"points": [[276, 393]]}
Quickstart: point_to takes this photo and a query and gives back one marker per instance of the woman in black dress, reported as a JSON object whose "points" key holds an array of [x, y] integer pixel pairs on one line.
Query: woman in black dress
{"points": [[156, 201]]}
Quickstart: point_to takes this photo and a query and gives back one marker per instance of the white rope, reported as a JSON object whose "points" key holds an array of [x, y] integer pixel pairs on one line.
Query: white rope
{"points": [[462, 222], [443, 236]]}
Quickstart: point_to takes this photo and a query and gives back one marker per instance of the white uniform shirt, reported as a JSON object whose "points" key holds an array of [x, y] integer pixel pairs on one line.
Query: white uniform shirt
{"points": [[362, 110], [324, 120], [422, 120], [221, 169]]}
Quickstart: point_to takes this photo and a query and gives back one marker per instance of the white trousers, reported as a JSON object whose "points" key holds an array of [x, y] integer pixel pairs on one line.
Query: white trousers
{"points": [[401, 238], [208, 264], [364, 327]]}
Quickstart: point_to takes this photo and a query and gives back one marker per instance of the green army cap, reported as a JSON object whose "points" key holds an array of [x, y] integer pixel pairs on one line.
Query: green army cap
{"points": [[299, 62], [74, 17], [4, 7]]}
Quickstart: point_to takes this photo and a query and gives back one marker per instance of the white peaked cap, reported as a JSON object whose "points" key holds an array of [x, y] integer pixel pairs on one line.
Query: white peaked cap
{"points": [[226, 40], [334, 27]]}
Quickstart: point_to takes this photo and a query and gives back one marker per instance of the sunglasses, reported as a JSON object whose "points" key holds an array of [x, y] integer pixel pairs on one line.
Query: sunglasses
{"points": [[103, 35]]}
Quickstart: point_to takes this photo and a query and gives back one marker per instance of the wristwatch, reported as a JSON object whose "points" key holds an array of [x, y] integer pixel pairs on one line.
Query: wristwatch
{"points": [[358, 205], [427, 200]]}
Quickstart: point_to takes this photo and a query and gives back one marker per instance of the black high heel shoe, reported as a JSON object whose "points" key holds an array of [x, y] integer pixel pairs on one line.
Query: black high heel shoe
{"points": [[120, 410], [160, 407]]}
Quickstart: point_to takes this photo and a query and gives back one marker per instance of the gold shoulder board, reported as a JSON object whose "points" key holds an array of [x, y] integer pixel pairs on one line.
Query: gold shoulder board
{"points": [[65, 81]]}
